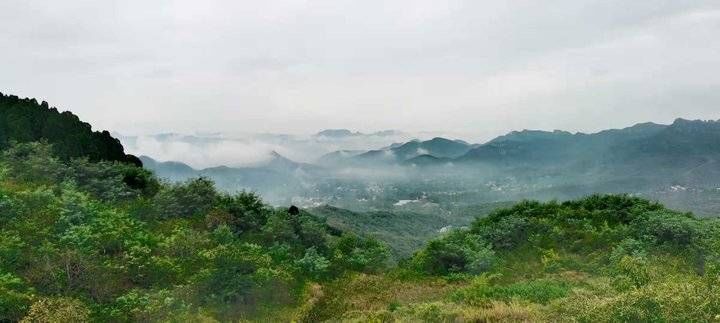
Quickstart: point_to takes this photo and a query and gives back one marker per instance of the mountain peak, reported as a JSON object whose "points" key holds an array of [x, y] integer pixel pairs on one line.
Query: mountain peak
{"points": [[279, 162], [440, 139], [337, 133], [681, 121], [275, 154]]}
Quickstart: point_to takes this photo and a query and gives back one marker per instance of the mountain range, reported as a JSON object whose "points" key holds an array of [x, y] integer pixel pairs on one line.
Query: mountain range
{"points": [[675, 163], [342, 133]]}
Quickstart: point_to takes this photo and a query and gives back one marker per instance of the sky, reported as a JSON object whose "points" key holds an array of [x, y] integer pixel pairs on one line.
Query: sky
{"points": [[473, 69]]}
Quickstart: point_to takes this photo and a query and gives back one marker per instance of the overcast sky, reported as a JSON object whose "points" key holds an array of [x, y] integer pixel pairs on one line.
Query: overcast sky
{"points": [[474, 68]]}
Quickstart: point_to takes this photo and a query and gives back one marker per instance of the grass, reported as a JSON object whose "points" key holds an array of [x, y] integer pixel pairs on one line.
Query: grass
{"points": [[547, 296]]}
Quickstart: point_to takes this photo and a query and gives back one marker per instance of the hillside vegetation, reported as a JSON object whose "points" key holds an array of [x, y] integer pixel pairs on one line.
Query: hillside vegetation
{"points": [[88, 236], [79, 243], [677, 164], [83, 241], [403, 231], [26, 120], [598, 259]]}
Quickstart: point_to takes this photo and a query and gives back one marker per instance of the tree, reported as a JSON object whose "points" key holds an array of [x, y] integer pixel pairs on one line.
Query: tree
{"points": [[15, 297], [351, 252], [245, 211], [24, 120], [312, 264], [459, 251], [183, 200]]}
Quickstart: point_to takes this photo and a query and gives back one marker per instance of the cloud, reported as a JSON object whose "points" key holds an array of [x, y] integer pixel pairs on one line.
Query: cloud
{"points": [[478, 68], [209, 150], [201, 154]]}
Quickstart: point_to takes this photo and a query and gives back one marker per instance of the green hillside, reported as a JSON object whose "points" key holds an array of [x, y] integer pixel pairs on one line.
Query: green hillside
{"points": [[78, 243], [86, 236], [599, 259], [26, 120], [404, 232]]}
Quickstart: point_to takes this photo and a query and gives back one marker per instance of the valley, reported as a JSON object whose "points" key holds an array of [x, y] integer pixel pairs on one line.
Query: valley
{"points": [[675, 164], [360, 161]]}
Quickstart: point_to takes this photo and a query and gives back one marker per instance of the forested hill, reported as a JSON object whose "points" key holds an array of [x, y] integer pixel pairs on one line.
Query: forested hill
{"points": [[79, 242], [26, 120], [84, 241]]}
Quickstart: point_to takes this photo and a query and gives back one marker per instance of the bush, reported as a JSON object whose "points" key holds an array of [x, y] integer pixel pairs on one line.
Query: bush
{"points": [[144, 306], [459, 251], [35, 163], [614, 209], [245, 211], [234, 272], [503, 233], [628, 247], [11, 250], [674, 230], [57, 310], [632, 269], [351, 252], [183, 200], [312, 264], [482, 292], [15, 297], [676, 298]]}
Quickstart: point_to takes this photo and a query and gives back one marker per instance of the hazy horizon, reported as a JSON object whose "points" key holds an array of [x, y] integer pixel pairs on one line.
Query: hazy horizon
{"points": [[247, 149], [194, 178]]}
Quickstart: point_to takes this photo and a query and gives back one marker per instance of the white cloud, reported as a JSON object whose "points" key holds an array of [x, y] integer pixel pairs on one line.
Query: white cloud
{"points": [[479, 68], [201, 151]]}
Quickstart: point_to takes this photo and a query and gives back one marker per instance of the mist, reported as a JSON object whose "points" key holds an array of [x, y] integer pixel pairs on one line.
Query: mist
{"points": [[210, 150]]}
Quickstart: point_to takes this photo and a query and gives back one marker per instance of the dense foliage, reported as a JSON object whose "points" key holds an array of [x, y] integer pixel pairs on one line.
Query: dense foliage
{"points": [[87, 236], [24, 120], [404, 231], [603, 258], [105, 241]]}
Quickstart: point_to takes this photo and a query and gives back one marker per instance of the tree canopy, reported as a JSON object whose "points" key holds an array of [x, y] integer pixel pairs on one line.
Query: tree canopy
{"points": [[26, 120], [106, 241]]}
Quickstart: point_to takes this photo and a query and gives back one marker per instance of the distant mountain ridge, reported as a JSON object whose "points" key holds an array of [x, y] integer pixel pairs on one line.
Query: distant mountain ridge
{"points": [[641, 140], [272, 178], [531, 147], [536, 148], [682, 158], [437, 147], [344, 133]]}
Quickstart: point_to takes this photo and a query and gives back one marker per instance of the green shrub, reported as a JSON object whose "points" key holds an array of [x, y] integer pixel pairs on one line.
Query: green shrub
{"points": [[632, 269], [674, 230], [57, 310], [482, 291], [551, 260], [15, 297], [459, 251], [352, 252], [628, 247], [503, 233], [676, 298], [183, 200], [313, 264], [11, 250], [144, 306]]}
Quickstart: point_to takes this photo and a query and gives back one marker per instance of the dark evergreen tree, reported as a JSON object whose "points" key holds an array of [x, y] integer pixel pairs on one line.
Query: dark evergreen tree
{"points": [[26, 120]]}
